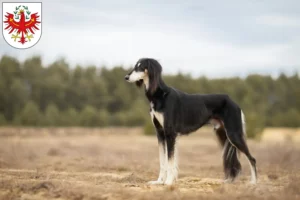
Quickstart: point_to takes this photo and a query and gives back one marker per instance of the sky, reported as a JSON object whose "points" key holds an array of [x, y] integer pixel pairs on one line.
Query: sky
{"points": [[201, 38]]}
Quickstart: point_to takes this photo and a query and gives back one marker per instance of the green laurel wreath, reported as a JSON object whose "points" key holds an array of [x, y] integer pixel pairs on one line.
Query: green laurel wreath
{"points": [[27, 12]]}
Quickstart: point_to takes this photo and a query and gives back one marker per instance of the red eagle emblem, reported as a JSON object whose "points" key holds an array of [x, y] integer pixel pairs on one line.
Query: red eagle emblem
{"points": [[24, 26]]}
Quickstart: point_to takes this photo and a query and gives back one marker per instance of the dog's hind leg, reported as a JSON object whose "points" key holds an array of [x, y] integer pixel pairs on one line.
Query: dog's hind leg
{"points": [[231, 164], [251, 159], [235, 132], [240, 143]]}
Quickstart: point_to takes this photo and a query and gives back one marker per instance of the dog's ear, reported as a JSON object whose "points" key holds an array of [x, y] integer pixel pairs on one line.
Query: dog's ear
{"points": [[154, 73]]}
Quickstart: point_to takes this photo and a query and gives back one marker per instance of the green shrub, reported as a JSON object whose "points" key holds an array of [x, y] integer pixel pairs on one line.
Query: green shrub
{"points": [[254, 124], [2, 120], [52, 116], [30, 115], [89, 116], [70, 117], [103, 118], [118, 119]]}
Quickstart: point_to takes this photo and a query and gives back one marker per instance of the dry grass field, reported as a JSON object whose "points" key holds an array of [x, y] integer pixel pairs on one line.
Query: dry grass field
{"points": [[116, 163]]}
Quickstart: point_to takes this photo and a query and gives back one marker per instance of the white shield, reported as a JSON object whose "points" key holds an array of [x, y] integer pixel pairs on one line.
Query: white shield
{"points": [[22, 23]]}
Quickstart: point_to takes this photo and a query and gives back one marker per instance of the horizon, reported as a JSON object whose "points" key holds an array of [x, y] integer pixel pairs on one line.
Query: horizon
{"points": [[129, 67]]}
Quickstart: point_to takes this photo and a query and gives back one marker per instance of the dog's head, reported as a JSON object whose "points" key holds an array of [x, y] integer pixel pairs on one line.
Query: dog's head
{"points": [[146, 71]]}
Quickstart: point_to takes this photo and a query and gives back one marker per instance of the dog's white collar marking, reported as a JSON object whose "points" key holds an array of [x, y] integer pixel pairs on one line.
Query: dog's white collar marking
{"points": [[146, 82], [151, 105], [138, 64], [159, 116]]}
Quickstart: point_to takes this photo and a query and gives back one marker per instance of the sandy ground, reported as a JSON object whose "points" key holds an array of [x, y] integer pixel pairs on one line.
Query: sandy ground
{"points": [[117, 164]]}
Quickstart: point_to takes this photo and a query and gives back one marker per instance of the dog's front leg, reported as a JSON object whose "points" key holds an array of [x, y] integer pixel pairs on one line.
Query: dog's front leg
{"points": [[162, 146], [172, 159], [163, 167]]}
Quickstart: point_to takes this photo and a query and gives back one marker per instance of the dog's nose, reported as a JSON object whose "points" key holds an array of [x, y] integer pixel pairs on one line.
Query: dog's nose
{"points": [[126, 77]]}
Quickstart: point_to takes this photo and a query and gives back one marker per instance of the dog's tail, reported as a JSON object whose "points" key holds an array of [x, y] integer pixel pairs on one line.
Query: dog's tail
{"points": [[231, 163]]}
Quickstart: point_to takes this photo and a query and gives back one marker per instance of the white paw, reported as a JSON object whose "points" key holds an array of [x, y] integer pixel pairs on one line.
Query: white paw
{"points": [[228, 180], [169, 181], [253, 182], [156, 182]]}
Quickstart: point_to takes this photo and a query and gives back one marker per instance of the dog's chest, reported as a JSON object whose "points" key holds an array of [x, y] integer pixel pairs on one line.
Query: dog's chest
{"points": [[158, 115]]}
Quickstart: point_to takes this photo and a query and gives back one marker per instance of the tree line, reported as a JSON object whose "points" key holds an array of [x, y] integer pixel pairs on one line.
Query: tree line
{"points": [[32, 94]]}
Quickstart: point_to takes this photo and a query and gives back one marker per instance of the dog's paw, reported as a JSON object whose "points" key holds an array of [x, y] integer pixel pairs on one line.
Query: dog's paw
{"points": [[155, 182], [228, 180], [169, 182]]}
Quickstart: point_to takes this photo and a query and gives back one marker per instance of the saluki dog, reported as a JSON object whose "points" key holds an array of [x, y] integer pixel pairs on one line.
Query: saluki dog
{"points": [[174, 113]]}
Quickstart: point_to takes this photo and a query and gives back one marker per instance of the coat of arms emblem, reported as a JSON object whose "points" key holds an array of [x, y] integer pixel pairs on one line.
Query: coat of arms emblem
{"points": [[22, 24]]}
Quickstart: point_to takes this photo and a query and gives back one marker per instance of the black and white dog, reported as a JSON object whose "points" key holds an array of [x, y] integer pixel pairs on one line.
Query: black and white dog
{"points": [[176, 113]]}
